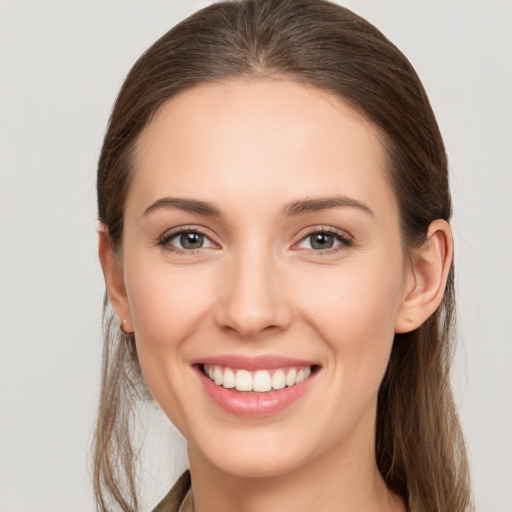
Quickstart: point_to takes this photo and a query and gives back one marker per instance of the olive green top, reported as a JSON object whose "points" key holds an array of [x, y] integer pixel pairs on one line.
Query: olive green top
{"points": [[175, 497]]}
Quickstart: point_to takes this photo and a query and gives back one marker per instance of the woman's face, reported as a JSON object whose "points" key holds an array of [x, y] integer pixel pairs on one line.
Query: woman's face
{"points": [[261, 245]]}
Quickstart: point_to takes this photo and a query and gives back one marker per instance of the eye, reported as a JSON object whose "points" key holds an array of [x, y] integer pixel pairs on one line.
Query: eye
{"points": [[324, 240], [185, 240]]}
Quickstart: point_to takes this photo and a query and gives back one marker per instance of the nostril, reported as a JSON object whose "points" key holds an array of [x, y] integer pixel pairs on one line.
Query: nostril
{"points": [[248, 332]]}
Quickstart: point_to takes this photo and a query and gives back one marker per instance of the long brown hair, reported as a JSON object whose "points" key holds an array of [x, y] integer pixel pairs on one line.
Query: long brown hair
{"points": [[419, 446]]}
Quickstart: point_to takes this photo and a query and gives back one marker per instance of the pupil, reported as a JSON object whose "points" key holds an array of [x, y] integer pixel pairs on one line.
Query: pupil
{"points": [[191, 240], [322, 241]]}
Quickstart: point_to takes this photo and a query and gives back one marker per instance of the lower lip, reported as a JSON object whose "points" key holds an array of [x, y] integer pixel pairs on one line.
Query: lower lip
{"points": [[254, 404]]}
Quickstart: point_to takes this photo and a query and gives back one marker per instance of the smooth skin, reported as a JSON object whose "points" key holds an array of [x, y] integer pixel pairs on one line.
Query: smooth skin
{"points": [[257, 282]]}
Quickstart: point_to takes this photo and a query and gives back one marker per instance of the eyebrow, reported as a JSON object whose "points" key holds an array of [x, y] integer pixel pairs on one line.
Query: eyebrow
{"points": [[313, 204], [187, 205], [299, 207]]}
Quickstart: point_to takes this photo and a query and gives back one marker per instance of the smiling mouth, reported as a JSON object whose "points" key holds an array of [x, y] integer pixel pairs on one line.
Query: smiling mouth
{"points": [[258, 381]]}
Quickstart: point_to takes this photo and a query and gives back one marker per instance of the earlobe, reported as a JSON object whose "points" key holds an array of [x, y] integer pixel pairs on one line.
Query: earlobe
{"points": [[114, 280], [429, 270]]}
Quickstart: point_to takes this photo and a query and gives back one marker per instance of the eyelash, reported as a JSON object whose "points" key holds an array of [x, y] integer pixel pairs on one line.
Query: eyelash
{"points": [[165, 240], [344, 240]]}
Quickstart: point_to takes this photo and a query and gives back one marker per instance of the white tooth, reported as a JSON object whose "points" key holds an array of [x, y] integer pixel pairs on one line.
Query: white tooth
{"points": [[229, 378], [290, 377], [243, 380], [217, 376], [278, 380], [307, 372], [300, 376], [262, 381], [210, 372]]}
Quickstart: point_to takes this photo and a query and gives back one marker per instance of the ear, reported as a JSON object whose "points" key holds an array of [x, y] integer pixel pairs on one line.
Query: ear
{"points": [[427, 277], [114, 280]]}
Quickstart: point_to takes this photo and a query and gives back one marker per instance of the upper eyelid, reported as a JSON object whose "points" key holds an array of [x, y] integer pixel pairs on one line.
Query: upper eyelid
{"points": [[311, 230], [172, 232]]}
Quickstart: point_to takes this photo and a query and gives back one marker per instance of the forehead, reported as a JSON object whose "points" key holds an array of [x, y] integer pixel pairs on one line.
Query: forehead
{"points": [[259, 138]]}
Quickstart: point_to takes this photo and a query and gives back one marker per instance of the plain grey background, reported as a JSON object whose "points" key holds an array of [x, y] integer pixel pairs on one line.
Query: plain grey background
{"points": [[61, 64]]}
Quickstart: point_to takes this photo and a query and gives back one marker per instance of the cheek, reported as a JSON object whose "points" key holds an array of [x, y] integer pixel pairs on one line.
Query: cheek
{"points": [[166, 303], [354, 311], [167, 306]]}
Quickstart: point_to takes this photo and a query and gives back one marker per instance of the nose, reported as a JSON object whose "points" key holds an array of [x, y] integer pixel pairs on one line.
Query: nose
{"points": [[252, 298]]}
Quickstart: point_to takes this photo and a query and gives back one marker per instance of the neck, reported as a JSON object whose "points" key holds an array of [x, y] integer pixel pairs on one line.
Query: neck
{"points": [[342, 480]]}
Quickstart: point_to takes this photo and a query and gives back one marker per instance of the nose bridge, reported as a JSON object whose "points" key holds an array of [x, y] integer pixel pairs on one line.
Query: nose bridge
{"points": [[252, 299]]}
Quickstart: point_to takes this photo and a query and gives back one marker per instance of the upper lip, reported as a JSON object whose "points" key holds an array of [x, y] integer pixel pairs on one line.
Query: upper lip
{"points": [[263, 362]]}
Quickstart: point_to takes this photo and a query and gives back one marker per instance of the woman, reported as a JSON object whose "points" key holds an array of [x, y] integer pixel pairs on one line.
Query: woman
{"points": [[274, 206]]}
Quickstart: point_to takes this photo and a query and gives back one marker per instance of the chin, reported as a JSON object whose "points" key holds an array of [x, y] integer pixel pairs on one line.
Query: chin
{"points": [[249, 455], [262, 465]]}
